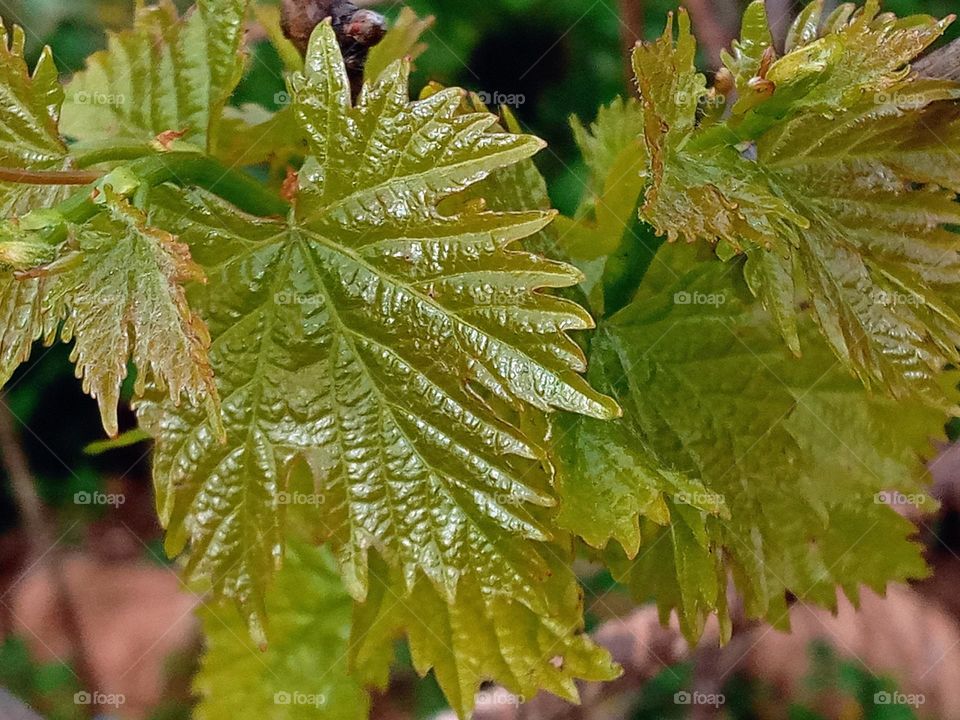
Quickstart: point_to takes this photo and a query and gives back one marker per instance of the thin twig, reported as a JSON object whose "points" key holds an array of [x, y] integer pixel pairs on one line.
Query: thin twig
{"points": [[942, 64], [710, 23], [44, 547], [631, 32], [780, 13]]}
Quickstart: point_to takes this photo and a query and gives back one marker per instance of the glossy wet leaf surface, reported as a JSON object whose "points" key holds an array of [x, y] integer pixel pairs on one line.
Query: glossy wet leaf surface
{"points": [[371, 334]]}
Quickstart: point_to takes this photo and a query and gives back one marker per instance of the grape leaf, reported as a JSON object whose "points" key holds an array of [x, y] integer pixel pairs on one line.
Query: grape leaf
{"points": [[119, 290], [835, 172], [29, 138], [166, 74], [617, 159], [361, 334], [484, 635], [303, 674], [615, 132], [798, 452], [605, 238], [117, 287], [610, 478], [27, 315]]}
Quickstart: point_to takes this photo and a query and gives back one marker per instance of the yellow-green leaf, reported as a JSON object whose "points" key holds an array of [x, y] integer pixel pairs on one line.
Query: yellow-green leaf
{"points": [[836, 173], [303, 674], [371, 333], [166, 74]]}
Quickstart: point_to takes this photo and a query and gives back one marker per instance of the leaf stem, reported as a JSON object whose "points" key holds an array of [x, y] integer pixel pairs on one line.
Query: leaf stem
{"points": [[180, 168], [187, 168], [93, 154]]}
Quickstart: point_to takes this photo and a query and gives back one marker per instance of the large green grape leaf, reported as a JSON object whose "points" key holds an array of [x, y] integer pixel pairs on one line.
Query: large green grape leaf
{"points": [[166, 74], [835, 172], [303, 673], [484, 635], [797, 451], [371, 334]]}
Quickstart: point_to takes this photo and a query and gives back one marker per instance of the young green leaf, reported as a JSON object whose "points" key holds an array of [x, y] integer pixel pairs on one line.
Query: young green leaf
{"points": [[29, 138], [166, 74], [617, 158], [303, 674], [120, 292], [798, 452], [835, 172], [362, 333], [486, 634], [29, 315], [118, 287]]}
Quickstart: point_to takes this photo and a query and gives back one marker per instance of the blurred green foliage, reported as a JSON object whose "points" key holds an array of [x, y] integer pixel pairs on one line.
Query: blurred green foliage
{"points": [[845, 686], [48, 687]]}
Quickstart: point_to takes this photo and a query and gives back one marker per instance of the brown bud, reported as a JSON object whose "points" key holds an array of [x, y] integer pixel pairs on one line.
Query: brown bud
{"points": [[366, 27], [723, 82], [356, 30]]}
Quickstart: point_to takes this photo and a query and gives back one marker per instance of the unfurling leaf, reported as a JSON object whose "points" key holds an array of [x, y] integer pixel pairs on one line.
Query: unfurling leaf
{"points": [[835, 172], [121, 295]]}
